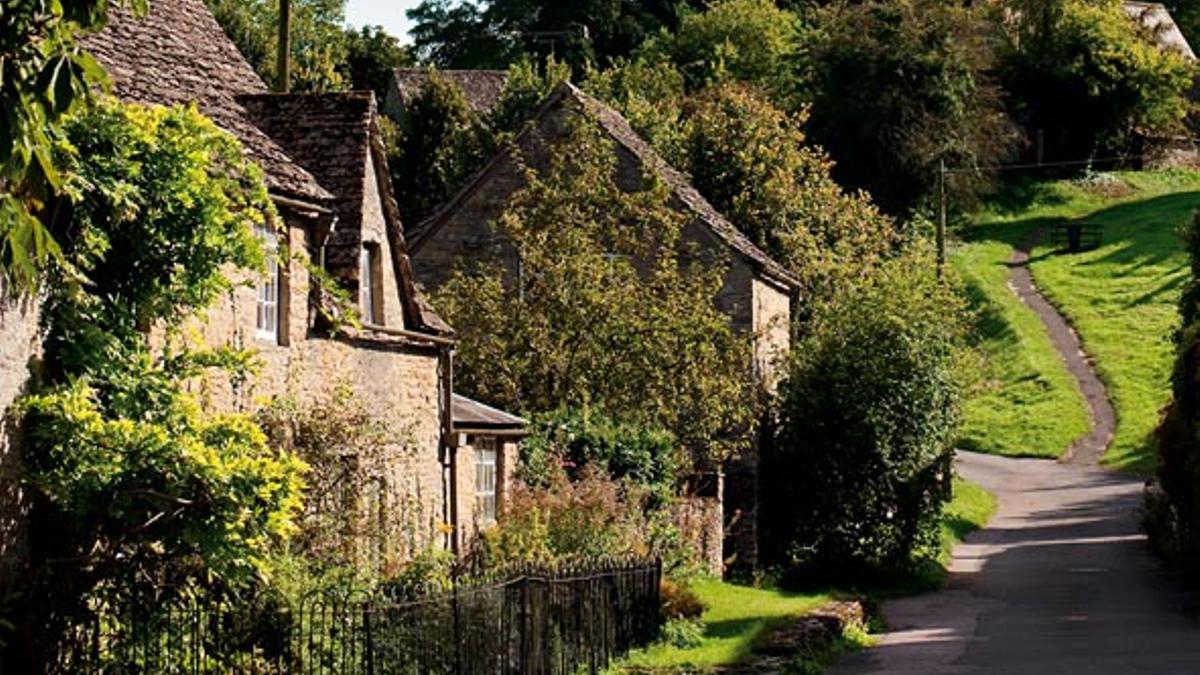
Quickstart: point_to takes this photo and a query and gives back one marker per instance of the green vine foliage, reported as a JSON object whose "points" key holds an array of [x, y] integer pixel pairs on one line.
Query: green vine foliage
{"points": [[142, 487], [44, 76]]}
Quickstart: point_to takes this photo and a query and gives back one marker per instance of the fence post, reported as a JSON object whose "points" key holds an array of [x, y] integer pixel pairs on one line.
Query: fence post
{"points": [[368, 646]]}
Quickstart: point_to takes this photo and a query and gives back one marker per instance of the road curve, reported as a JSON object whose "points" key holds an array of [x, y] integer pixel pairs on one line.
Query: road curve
{"points": [[1059, 583]]}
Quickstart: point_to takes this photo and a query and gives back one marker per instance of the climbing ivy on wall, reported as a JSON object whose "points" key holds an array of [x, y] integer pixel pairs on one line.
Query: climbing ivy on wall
{"points": [[144, 489]]}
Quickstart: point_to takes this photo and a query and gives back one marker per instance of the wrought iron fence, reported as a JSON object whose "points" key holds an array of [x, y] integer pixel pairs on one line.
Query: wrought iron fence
{"points": [[528, 621]]}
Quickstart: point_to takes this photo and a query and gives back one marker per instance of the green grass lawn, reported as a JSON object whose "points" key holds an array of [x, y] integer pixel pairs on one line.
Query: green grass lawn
{"points": [[971, 509], [1024, 402], [1120, 297], [739, 616]]}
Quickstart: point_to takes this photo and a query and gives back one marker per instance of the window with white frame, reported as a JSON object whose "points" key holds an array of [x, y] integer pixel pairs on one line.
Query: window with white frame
{"points": [[368, 297], [267, 321], [485, 478]]}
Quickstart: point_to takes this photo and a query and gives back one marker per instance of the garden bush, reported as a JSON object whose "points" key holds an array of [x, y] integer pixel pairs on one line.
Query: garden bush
{"points": [[1172, 509], [648, 457], [859, 468], [588, 517]]}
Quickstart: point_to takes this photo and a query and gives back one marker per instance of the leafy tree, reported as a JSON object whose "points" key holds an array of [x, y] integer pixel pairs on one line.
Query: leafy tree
{"points": [[140, 486], [580, 323], [441, 143], [1088, 78], [319, 39], [755, 164], [372, 54], [898, 86], [860, 466], [750, 41], [451, 34], [525, 87], [649, 91], [44, 75], [441, 134], [497, 33]]}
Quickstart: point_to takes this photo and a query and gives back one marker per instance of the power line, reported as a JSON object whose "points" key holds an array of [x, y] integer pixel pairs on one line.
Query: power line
{"points": [[1047, 165]]}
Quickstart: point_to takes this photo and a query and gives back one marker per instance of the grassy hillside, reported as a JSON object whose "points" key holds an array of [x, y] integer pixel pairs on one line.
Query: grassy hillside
{"points": [[1024, 403], [1120, 297]]}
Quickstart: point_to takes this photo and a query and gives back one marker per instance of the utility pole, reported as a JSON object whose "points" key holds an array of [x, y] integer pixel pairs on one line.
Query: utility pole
{"points": [[941, 223], [283, 56]]}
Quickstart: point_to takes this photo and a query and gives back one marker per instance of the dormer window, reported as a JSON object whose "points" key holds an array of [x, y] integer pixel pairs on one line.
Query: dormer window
{"points": [[368, 288], [267, 321]]}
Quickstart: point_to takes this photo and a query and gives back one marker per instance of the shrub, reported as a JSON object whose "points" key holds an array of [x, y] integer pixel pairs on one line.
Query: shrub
{"points": [[587, 518], [1172, 511], [650, 458], [682, 633], [679, 601], [868, 409]]}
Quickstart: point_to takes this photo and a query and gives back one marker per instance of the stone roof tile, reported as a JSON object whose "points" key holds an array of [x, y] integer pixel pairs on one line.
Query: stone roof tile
{"points": [[333, 135], [480, 88], [178, 53]]}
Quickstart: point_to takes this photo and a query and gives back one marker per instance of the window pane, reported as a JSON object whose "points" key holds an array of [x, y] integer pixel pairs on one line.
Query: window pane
{"points": [[267, 309], [485, 477]]}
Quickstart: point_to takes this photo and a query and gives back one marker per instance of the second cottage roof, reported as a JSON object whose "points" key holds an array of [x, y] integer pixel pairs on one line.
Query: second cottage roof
{"points": [[619, 130]]}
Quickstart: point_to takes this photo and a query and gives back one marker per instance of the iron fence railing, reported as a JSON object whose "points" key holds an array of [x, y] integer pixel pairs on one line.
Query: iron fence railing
{"points": [[529, 621]]}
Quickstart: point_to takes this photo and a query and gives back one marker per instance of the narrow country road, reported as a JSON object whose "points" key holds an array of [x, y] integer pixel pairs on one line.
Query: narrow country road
{"points": [[1061, 581]]}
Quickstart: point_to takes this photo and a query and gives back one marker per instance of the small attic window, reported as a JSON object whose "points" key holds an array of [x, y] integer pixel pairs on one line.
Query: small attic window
{"points": [[368, 285]]}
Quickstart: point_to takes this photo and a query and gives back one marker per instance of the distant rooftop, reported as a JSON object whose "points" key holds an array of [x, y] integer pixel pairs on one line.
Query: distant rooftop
{"points": [[481, 88]]}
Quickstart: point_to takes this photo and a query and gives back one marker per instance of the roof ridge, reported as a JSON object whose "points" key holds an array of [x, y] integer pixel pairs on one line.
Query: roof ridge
{"points": [[681, 185]]}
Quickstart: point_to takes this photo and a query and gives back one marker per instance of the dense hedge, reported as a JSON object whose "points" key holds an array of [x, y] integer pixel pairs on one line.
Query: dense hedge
{"points": [[1172, 515], [859, 470]]}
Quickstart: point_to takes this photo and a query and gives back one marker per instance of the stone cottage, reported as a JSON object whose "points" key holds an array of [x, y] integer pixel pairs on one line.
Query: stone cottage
{"points": [[757, 293], [323, 161]]}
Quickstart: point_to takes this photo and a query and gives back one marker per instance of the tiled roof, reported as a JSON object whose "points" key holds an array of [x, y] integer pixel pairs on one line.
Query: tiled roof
{"points": [[333, 135], [178, 53], [1156, 17], [481, 88], [471, 414], [617, 127]]}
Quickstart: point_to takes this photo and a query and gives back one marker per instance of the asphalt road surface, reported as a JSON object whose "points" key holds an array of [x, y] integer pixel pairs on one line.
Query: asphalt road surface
{"points": [[1059, 583]]}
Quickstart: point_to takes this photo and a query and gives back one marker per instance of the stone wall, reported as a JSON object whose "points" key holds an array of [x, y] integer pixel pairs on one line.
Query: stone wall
{"points": [[20, 356], [374, 232], [701, 522], [394, 376]]}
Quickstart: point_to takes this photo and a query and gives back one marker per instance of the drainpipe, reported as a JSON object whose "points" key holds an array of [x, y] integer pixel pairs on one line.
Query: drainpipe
{"points": [[449, 448]]}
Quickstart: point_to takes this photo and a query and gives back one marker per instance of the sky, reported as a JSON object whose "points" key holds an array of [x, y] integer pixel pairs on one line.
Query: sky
{"points": [[386, 13]]}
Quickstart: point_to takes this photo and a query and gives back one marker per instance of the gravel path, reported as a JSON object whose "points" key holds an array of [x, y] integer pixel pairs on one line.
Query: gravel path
{"points": [[1061, 581]]}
